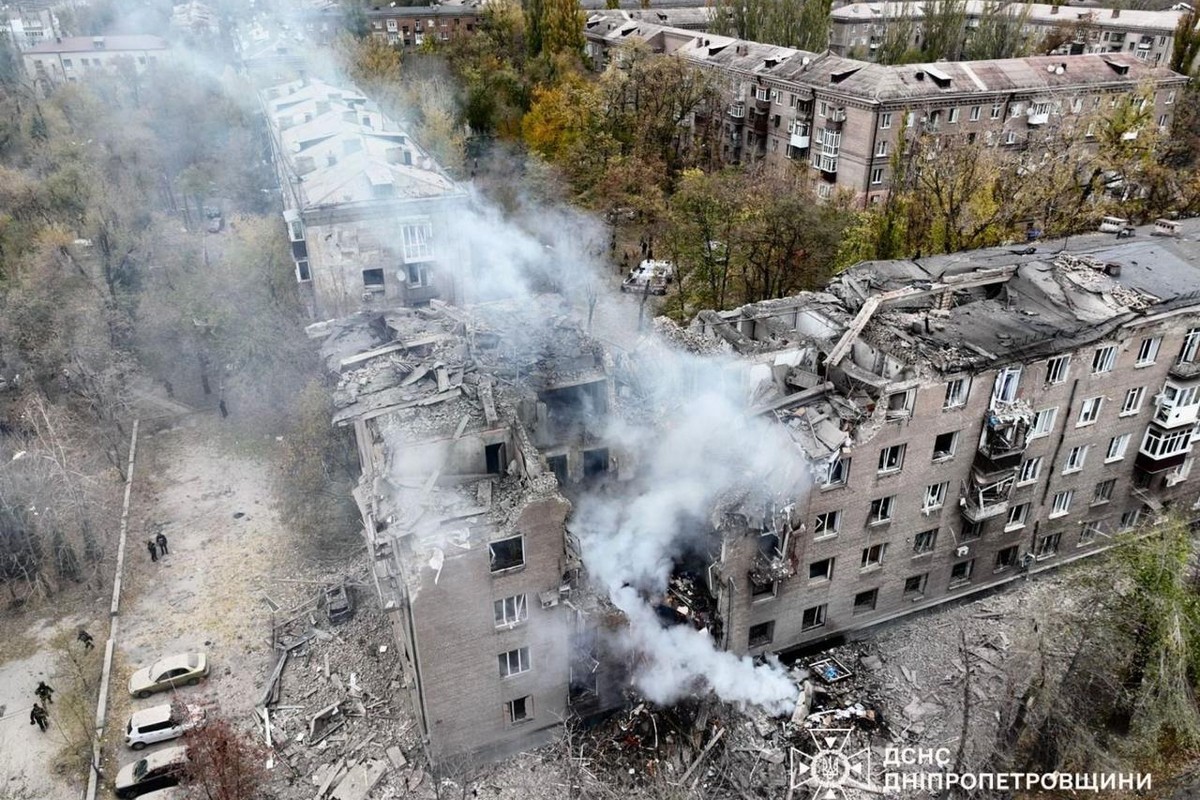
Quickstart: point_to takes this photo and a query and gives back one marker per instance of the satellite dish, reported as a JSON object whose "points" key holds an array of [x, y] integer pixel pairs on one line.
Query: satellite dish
{"points": [[1049, 68], [1059, 70], [805, 61]]}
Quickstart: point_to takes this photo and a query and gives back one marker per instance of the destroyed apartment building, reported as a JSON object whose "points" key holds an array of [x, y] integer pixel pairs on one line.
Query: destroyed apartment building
{"points": [[969, 420], [470, 424], [366, 208]]}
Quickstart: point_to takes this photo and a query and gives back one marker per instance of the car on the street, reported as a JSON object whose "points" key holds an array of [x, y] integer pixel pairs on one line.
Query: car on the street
{"points": [[339, 603], [161, 723], [185, 669], [161, 769]]}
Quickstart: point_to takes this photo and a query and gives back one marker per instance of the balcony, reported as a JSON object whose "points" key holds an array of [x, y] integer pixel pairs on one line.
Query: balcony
{"points": [[975, 511], [835, 120], [762, 102], [1005, 434], [1037, 116], [771, 568], [1163, 449], [1172, 416], [737, 111], [985, 496], [799, 141], [1185, 371]]}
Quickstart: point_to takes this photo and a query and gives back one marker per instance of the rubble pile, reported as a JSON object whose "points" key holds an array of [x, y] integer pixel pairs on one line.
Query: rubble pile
{"points": [[332, 711]]}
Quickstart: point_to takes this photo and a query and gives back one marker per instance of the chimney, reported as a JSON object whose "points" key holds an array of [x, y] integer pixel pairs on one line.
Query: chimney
{"points": [[1116, 13]]}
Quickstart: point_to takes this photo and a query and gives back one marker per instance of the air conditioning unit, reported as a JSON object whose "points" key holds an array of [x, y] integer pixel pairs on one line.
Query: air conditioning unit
{"points": [[962, 551], [549, 599]]}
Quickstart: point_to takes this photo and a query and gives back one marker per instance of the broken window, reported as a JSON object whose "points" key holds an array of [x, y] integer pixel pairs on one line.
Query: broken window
{"points": [[514, 662], [761, 634], [1057, 369], [960, 573], [812, 618], [1104, 359], [418, 275], [944, 445], [925, 541], [510, 610], [1089, 411], [935, 497], [418, 241], [1048, 545], [302, 271], [865, 601], [1131, 518], [1043, 422], [518, 710], [595, 462], [1132, 403], [1090, 531], [1191, 347], [1103, 491], [507, 553], [914, 585], [1062, 503], [971, 531], [1075, 459], [1005, 388], [872, 556], [494, 457], [1017, 515], [956, 392], [1148, 351], [901, 403], [881, 510], [1116, 447], [891, 459], [762, 591], [372, 278], [1031, 468], [827, 524], [838, 472], [821, 570], [1006, 558], [558, 465]]}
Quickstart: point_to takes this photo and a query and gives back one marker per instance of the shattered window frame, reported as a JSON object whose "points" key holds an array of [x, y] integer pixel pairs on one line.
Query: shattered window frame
{"points": [[837, 473], [1049, 415], [1102, 492], [813, 617], [960, 573], [1131, 518], [872, 556], [925, 542], [510, 611], [1058, 369], [822, 529], [492, 555], [1047, 546], [1018, 516], [1117, 446], [958, 390], [944, 454], [761, 635], [881, 510], [1030, 471], [865, 601], [1190, 348], [935, 496], [1060, 506], [891, 458], [1148, 351], [1132, 402], [1076, 458], [914, 585], [827, 575], [1089, 532], [1006, 558], [526, 710], [1089, 411]]}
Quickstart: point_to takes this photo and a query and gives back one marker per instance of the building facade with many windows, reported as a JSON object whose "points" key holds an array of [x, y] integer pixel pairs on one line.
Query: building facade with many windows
{"points": [[969, 420]]}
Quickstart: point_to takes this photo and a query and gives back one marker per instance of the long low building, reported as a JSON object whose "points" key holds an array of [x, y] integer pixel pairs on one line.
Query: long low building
{"points": [[858, 30], [845, 117], [67, 59]]}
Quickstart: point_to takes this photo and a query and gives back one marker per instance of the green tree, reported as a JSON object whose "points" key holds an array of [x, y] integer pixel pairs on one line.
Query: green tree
{"points": [[1185, 57], [803, 24], [943, 27], [1000, 33]]}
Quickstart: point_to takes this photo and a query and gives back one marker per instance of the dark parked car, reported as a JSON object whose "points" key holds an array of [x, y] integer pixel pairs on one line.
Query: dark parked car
{"points": [[215, 220], [159, 770], [339, 603]]}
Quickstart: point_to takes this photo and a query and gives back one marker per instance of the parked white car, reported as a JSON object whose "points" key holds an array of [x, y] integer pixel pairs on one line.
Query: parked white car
{"points": [[161, 723]]}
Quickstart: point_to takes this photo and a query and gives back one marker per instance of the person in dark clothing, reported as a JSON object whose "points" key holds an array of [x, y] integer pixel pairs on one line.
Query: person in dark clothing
{"points": [[86, 638], [39, 717], [45, 692], [153, 550], [224, 410], [162, 544]]}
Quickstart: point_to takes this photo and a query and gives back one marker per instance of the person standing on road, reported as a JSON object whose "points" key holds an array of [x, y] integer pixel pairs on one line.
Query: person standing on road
{"points": [[38, 717], [86, 638], [45, 692], [153, 550], [162, 544]]}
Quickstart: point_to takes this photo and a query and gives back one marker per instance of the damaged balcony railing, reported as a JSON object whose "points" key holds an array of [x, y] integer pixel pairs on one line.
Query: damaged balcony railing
{"points": [[1005, 432], [983, 501]]}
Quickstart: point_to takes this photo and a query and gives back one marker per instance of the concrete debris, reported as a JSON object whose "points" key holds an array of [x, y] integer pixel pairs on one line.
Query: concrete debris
{"points": [[360, 781]]}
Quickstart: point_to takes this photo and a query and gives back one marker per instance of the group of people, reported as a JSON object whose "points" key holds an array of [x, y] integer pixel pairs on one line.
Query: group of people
{"points": [[157, 546], [45, 692]]}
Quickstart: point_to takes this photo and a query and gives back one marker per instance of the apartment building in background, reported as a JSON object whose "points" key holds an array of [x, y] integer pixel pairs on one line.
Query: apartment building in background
{"points": [[29, 24], [412, 26], [68, 59], [845, 118], [366, 207], [969, 419], [858, 30]]}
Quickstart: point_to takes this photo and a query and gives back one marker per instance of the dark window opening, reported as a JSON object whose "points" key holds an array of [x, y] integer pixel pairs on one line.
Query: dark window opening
{"points": [[372, 278], [758, 591], [302, 271], [865, 601], [507, 554], [519, 710], [494, 454], [915, 585], [558, 465], [821, 570], [813, 618], [1006, 558], [595, 462], [762, 634], [943, 445]]}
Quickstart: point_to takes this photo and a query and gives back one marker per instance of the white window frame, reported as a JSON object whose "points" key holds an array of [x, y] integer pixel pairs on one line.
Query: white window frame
{"points": [[1018, 515], [935, 496], [885, 120], [868, 562], [509, 612], [1148, 351], [1030, 471], [1132, 402], [891, 459], [1089, 532], [881, 148], [824, 530], [1164, 444], [975, 111], [876, 176], [1058, 369], [1102, 492], [887, 505], [1089, 411], [1117, 446], [1191, 347], [1104, 359], [1008, 381], [1060, 505], [831, 468], [927, 546], [514, 662], [958, 391], [1047, 546], [952, 116], [417, 241], [1048, 414], [1076, 457]]}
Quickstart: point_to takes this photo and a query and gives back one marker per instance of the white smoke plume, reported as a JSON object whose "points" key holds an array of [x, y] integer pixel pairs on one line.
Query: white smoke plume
{"points": [[700, 448]]}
